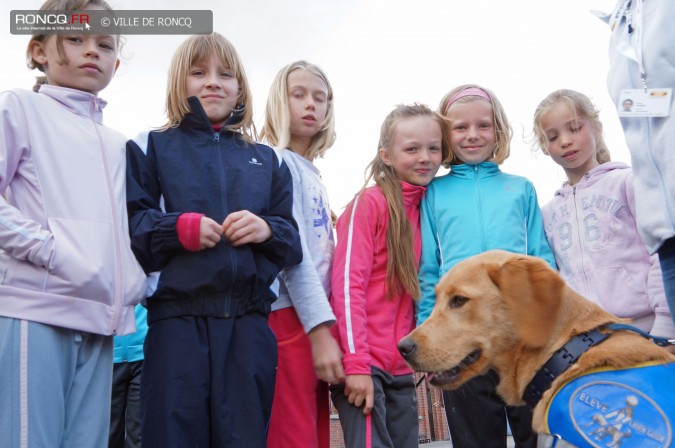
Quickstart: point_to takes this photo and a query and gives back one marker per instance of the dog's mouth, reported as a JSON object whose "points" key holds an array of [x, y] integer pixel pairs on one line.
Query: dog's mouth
{"points": [[450, 376]]}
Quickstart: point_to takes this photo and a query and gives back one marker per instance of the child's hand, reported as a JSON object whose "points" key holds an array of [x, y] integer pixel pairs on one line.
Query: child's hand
{"points": [[359, 390], [209, 233], [244, 227], [327, 355]]}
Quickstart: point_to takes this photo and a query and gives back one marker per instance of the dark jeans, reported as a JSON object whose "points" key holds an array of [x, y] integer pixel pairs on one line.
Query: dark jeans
{"points": [[125, 412], [667, 259], [477, 416]]}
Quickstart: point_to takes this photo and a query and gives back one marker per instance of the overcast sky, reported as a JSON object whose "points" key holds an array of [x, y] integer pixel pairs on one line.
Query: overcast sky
{"points": [[376, 53]]}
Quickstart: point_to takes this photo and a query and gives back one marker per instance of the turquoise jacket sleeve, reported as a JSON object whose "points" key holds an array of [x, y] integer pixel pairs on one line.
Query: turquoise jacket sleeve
{"points": [[537, 244]]}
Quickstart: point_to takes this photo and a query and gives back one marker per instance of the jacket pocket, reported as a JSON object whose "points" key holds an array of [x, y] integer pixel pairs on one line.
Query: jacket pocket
{"points": [[21, 274], [84, 259], [620, 292]]}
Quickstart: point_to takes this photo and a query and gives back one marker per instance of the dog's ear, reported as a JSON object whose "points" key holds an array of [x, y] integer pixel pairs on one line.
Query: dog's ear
{"points": [[533, 294]]}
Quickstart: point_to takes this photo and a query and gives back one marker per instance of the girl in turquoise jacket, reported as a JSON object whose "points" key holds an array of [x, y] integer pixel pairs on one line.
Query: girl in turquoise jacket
{"points": [[475, 208]]}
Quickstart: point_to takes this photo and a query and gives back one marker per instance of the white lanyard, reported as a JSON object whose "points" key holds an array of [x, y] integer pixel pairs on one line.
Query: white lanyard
{"points": [[630, 45], [618, 14]]}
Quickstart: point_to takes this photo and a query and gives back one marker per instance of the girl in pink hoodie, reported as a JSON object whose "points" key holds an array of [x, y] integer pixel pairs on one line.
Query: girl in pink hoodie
{"points": [[590, 222], [374, 281]]}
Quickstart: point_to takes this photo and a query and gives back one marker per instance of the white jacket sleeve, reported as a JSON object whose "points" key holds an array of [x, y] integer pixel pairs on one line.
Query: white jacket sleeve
{"points": [[302, 281], [20, 237]]}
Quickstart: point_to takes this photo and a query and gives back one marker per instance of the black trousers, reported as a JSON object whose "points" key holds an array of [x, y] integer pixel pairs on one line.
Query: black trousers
{"points": [[208, 382], [393, 421], [477, 416], [125, 411]]}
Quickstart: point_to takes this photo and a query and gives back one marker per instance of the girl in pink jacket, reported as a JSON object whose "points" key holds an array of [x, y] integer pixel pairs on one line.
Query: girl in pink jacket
{"points": [[374, 281]]}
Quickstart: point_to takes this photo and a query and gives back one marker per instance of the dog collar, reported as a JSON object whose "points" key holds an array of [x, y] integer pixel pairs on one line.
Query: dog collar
{"points": [[559, 362]]}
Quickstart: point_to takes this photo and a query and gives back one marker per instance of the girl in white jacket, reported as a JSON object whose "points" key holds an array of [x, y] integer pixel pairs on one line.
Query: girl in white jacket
{"points": [[68, 278], [590, 223], [300, 122]]}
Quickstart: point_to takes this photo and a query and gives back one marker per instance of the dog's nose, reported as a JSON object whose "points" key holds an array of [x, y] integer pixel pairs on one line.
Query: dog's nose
{"points": [[407, 347]]}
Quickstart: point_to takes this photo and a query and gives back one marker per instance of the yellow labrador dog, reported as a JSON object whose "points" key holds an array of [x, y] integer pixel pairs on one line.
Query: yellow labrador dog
{"points": [[514, 314]]}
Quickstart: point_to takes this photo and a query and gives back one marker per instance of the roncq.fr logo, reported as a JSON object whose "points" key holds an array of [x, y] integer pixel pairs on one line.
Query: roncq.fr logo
{"points": [[52, 19]]}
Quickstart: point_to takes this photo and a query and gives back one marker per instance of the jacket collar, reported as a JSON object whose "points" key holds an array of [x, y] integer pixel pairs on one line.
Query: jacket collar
{"points": [[412, 194], [76, 101], [478, 170], [560, 361], [198, 119]]}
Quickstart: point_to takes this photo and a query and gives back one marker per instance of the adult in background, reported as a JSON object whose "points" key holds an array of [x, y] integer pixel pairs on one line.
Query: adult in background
{"points": [[642, 63]]}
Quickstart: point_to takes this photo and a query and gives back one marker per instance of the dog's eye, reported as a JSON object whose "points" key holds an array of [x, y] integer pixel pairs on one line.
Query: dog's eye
{"points": [[458, 301]]}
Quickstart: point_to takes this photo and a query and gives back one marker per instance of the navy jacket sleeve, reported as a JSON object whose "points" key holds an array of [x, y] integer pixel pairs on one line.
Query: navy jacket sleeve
{"points": [[153, 233], [283, 248]]}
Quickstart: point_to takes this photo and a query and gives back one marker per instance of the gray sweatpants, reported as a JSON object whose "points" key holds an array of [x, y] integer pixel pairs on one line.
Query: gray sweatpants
{"points": [[54, 386], [393, 423]]}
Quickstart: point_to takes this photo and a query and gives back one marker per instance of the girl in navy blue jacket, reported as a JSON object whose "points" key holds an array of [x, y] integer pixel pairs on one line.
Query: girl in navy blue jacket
{"points": [[210, 211]]}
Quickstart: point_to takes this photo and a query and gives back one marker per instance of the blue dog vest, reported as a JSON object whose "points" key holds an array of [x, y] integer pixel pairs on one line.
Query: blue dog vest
{"points": [[631, 407]]}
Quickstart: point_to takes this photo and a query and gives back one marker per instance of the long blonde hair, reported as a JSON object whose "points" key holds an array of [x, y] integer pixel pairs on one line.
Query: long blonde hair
{"points": [[582, 106], [401, 263], [503, 130], [277, 122], [197, 49]]}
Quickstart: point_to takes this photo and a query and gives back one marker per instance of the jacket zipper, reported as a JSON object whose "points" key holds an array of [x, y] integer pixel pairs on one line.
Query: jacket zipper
{"points": [[226, 211], [118, 296], [479, 203], [579, 235]]}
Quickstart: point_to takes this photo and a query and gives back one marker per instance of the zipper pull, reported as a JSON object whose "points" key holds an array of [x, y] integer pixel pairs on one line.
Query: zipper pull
{"points": [[216, 137]]}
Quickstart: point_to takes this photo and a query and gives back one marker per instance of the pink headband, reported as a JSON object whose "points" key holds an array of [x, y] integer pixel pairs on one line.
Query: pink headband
{"points": [[469, 91]]}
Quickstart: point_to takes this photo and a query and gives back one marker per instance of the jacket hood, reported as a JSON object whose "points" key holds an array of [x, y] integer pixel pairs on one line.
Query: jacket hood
{"points": [[591, 177], [76, 101]]}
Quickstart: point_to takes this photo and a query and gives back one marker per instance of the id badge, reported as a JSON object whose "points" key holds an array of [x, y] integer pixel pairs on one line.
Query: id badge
{"points": [[641, 103]]}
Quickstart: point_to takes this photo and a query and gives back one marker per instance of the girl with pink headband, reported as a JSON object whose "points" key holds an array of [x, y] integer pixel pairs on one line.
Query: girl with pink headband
{"points": [[474, 208], [469, 91]]}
